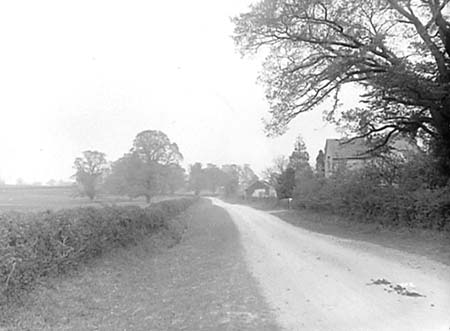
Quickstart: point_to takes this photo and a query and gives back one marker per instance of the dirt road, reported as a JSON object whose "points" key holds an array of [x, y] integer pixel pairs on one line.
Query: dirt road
{"points": [[320, 282]]}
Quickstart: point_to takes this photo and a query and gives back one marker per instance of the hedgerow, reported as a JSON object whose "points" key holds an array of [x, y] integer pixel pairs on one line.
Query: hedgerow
{"points": [[33, 245], [398, 194]]}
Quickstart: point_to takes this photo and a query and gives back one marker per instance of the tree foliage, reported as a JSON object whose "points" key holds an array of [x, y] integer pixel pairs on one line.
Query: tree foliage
{"points": [[197, 180], [89, 171], [246, 176], [299, 159], [285, 184], [285, 172], [320, 164], [231, 179], [398, 51], [150, 168], [214, 177], [153, 146]]}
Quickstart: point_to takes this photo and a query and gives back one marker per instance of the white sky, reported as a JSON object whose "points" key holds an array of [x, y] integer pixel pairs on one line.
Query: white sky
{"points": [[78, 75]]}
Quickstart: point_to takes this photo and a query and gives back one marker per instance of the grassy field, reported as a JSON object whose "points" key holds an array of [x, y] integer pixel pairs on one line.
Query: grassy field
{"points": [[34, 198]]}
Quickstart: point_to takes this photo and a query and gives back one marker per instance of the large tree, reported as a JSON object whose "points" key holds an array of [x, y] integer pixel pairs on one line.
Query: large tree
{"points": [[150, 168], [90, 169], [397, 50], [132, 176], [155, 146]]}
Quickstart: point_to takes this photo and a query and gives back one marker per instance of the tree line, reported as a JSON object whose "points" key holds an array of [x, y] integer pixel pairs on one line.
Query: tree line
{"points": [[231, 178], [152, 167]]}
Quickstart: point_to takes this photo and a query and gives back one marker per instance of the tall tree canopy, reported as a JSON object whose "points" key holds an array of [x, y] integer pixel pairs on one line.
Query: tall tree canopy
{"points": [[150, 168], [397, 50], [155, 146]]}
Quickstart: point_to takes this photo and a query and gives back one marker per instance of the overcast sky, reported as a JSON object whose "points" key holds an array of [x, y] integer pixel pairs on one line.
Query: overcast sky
{"points": [[79, 75]]}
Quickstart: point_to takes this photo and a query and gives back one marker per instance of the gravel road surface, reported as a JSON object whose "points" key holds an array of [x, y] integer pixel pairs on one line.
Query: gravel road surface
{"points": [[320, 282]]}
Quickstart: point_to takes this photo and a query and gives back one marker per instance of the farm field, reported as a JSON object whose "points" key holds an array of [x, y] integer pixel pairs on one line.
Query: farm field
{"points": [[35, 198]]}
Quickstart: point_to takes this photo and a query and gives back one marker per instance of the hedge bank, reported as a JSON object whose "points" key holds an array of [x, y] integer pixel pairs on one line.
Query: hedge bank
{"points": [[34, 245], [367, 196]]}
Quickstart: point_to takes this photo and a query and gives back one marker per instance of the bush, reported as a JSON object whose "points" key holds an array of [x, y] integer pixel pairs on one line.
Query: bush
{"points": [[394, 194], [34, 245]]}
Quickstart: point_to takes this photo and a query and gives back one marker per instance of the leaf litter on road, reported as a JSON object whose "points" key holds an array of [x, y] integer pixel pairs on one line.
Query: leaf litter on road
{"points": [[406, 289]]}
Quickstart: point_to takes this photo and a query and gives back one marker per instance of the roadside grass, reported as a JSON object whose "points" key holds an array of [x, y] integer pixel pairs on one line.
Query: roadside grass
{"points": [[427, 243]]}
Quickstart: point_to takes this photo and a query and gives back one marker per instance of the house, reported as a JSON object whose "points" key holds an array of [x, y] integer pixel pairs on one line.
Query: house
{"points": [[356, 153], [260, 189], [340, 153]]}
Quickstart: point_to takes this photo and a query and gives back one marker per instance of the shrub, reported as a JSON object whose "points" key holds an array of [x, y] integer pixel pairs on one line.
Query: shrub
{"points": [[34, 245], [392, 193]]}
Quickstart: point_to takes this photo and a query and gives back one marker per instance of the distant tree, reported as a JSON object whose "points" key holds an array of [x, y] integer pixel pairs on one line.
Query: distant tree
{"points": [[281, 176], [150, 168], [285, 183], [131, 176], [320, 163], [89, 171], [246, 176], [279, 165], [214, 177], [20, 182], [52, 182], [174, 177], [196, 178], [397, 51], [231, 181], [299, 159], [155, 146]]}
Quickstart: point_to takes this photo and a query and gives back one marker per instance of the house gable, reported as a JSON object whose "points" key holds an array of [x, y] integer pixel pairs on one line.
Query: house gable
{"points": [[354, 153]]}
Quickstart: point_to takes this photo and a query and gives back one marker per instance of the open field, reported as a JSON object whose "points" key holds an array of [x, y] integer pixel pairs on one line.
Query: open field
{"points": [[34, 198]]}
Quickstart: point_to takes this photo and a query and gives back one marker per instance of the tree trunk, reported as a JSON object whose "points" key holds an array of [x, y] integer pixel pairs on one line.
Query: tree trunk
{"points": [[441, 147]]}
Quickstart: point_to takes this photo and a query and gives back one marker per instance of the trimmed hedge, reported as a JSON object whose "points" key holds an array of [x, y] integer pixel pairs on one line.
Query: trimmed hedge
{"points": [[34, 245]]}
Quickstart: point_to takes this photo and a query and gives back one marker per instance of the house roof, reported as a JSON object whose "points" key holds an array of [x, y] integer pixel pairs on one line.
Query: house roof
{"points": [[347, 149], [361, 148]]}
